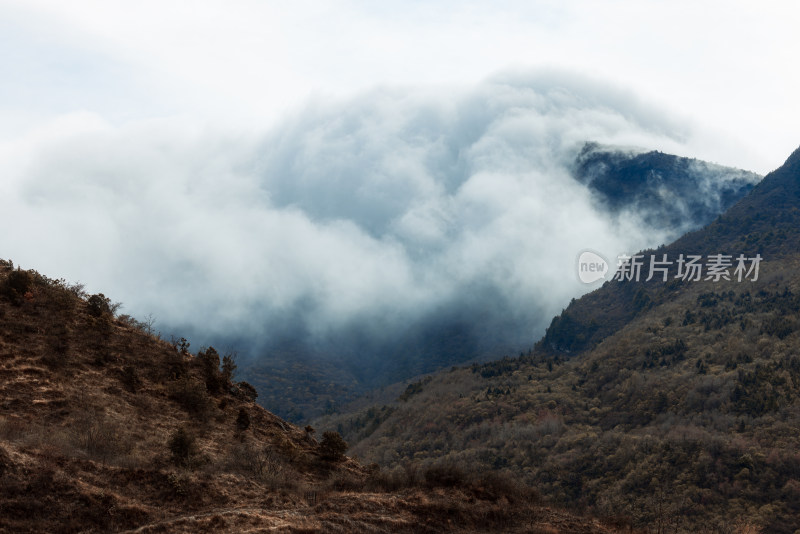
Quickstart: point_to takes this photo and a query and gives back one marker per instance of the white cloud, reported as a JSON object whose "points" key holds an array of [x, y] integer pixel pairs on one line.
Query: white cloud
{"points": [[377, 211], [253, 166], [724, 64]]}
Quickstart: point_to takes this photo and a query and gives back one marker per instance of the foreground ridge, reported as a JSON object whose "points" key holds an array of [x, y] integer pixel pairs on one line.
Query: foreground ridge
{"points": [[105, 427]]}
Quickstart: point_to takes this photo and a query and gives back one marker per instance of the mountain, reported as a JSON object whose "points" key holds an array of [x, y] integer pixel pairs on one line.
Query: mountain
{"points": [[671, 406], [106, 428], [666, 190], [302, 380], [764, 222]]}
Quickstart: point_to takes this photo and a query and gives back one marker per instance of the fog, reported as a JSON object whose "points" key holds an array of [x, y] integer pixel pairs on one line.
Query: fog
{"points": [[353, 225]]}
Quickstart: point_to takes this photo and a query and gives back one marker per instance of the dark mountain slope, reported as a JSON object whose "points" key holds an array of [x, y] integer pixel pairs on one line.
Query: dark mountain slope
{"points": [[683, 417], [685, 420], [765, 222], [665, 190], [300, 381]]}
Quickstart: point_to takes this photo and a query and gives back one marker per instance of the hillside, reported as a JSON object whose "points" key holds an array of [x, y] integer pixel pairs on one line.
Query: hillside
{"points": [[765, 222], [662, 188], [301, 380], [106, 428], [673, 406]]}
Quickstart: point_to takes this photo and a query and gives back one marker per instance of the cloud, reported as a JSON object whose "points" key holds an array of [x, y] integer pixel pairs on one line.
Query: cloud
{"points": [[246, 61], [355, 225]]}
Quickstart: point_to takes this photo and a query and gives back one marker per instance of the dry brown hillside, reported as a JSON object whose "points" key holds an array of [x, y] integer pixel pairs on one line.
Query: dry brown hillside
{"points": [[686, 420], [106, 428]]}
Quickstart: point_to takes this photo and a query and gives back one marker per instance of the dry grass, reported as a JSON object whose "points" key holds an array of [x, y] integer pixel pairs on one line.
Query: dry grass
{"points": [[648, 428], [88, 404]]}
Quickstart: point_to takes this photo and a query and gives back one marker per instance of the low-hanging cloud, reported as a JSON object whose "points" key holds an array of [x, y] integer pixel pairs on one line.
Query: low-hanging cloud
{"points": [[352, 226]]}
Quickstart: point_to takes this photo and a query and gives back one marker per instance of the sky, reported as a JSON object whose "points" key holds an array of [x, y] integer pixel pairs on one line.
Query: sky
{"points": [[724, 67], [246, 163]]}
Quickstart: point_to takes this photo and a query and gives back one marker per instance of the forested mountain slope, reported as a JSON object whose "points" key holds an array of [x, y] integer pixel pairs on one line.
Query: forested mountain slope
{"points": [[665, 193], [675, 405]]}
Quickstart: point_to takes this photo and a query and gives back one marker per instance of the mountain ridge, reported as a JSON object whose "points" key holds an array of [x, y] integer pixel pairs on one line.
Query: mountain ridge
{"points": [[672, 404], [658, 191], [751, 226], [105, 427], [661, 188]]}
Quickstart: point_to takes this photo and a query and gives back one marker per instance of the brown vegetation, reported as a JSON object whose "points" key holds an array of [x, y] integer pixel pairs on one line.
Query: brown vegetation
{"points": [[105, 428], [688, 418], [673, 406]]}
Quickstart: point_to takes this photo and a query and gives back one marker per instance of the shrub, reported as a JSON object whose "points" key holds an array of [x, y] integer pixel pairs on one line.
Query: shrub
{"points": [[5, 462], [175, 365], [58, 344], [178, 484], [182, 446], [262, 463], [182, 346], [444, 475], [131, 322], [100, 438], [392, 479], [246, 391], [18, 284], [130, 379], [191, 395], [332, 447], [347, 482], [99, 305], [493, 485], [209, 363], [228, 368], [242, 420]]}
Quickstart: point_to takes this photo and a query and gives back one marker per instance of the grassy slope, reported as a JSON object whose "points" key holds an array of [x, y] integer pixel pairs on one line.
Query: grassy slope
{"points": [[681, 411], [662, 420], [88, 405]]}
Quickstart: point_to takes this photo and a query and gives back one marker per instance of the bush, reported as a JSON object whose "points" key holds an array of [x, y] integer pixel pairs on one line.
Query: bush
{"points": [[18, 284], [493, 485], [391, 480], [263, 463], [332, 447], [209, 363], [182, 346], [444, 475], [228, 368], [130, 378], [58, 344], [99, 305], [100, 438], [182, 446], [191, 395], [176, 366], [242, 420], [347, 482], [246, 392], [5, 462]]}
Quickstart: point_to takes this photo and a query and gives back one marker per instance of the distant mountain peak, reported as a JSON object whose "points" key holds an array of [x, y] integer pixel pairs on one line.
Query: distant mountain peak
{"points": [[766, 222], [662, 189]]}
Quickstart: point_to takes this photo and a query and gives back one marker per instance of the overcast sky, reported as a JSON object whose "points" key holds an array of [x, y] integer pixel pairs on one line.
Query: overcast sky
{"points": [[221, 163], [724, 67]]}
